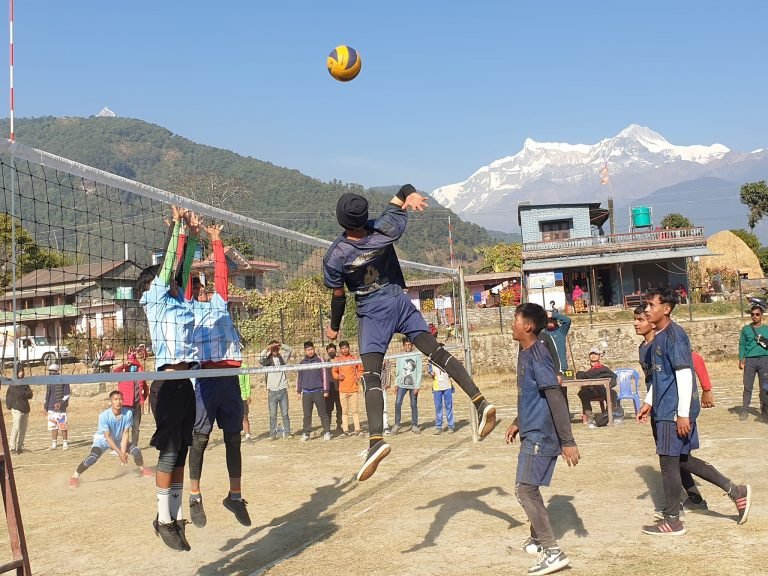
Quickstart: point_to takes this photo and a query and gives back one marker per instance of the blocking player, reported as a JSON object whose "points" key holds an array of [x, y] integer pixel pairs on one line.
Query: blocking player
{"points": [[113, 433], [544, 425], [363, 260], [672, 403], [218, 398], [171, 322]]}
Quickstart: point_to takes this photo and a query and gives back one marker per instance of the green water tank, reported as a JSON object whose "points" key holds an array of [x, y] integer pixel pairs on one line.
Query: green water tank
{"points": [[641, 217]]}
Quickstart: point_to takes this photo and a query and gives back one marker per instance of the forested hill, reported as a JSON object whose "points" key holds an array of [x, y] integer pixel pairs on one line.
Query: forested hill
{"points": [[153, 155]]}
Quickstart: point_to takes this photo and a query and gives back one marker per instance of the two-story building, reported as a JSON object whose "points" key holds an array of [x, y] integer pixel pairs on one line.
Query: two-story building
{"points": [[565, 249]]}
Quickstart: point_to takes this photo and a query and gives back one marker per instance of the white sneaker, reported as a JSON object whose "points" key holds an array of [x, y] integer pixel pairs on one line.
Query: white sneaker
{"points": [[65, 446], [327, 437], [52, 447], [387, 432], [550, 560], [304, 437]]}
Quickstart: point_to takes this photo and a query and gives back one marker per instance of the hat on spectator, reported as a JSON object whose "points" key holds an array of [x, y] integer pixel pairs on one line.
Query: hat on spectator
{"points": [[53, 368], [595, 350]]}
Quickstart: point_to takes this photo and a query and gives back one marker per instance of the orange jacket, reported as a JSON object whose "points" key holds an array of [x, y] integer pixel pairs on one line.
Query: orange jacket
{"points": [[351, 373]]}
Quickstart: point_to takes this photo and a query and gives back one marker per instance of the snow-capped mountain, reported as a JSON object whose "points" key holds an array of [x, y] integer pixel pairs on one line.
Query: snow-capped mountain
{"points": [[633, 164]]}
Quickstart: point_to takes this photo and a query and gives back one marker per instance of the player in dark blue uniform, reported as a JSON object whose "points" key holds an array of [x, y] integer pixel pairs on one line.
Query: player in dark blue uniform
{"points": [[673, 404], [363, 260], [544, 425]]}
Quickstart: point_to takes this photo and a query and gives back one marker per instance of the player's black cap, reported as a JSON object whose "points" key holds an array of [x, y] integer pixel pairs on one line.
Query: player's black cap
{"points": [[352, 211]]}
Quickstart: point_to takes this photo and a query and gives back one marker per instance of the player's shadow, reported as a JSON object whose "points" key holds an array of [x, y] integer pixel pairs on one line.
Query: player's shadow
{"points": [[264, 546], [564, 517], [652, 479], [452, 504]]}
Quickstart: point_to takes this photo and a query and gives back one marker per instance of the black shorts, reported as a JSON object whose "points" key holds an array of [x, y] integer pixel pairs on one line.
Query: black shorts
{"points": [[218, 400], [173, 405], [246, 408]]}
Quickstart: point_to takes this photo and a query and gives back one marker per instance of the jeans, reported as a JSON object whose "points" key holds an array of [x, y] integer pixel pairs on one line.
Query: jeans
{"points": [[414, 398], [310, 400], [443, 397], [136, 410], [333, 401], [274, 398], [19, 430], [756, 366]]}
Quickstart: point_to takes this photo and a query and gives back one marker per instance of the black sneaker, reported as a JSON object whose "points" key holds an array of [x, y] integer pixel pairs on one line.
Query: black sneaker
{"points": [[376, 454], [487, 417], [743, 500], [667, 527], [180, 524], [689, 504], [550, 560], [169, 534], [197, 512], [238, 508]]}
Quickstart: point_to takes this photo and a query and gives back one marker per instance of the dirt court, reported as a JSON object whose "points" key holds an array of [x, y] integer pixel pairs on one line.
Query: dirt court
{"points": [[439, 505]]}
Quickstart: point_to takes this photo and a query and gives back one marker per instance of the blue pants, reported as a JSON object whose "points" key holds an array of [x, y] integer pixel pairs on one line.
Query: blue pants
{"points": [[443, 397], [275, 398], [401, 392], [382, 317]]}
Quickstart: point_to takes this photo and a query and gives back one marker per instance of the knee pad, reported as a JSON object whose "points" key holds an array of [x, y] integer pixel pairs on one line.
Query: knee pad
{"points": [[232, 439], [200, 441], [371, 380], [440, 358], [166, 461]]}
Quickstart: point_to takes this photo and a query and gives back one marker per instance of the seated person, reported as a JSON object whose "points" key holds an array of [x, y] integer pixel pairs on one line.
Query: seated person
{"points": [[597, 392]]}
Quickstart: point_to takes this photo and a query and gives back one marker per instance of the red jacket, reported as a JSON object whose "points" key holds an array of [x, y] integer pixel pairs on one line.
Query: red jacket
{"points": [[131, 389]]}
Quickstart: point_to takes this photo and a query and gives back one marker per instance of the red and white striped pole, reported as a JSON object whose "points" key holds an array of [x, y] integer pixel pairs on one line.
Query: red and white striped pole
{"points": [[10, 24]]}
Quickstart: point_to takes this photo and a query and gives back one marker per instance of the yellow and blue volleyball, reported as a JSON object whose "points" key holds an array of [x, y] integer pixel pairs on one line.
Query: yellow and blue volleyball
{"points": [[344, 63]]}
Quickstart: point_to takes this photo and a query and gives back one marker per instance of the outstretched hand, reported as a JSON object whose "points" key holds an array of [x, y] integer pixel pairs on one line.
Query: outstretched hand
{"points": [[214, 231], [331, 333], [194, 221], [415, 201]]}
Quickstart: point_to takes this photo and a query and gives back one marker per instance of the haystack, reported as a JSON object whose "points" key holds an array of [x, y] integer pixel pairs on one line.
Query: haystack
{"points": [[732, 253]]}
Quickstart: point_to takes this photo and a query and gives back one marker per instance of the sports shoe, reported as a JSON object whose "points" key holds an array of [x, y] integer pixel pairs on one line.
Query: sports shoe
{"points": [[169, 534], [689, 504], [666, 527], [52, 447], [238, 508], [73, 482], [287, 435], [549, 560], [65, 446], [531, 546], [146, 473], [182, 531], [395, 429], [415, 429], [451, 430], [327, 437], [437, 432], [487, 417], [197, 512], [304, 437], [387, 432], [743, 499], [659, 514], [374, 455]]}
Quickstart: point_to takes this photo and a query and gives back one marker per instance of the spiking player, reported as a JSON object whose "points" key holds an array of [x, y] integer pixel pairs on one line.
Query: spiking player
{"points": [[363, 260]]}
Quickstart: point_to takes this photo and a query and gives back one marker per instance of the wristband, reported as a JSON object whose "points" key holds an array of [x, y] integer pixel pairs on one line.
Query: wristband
{"points": [[338, 303], [405, 191]]}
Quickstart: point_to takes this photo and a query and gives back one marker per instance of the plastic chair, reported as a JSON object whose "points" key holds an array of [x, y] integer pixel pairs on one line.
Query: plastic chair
{"points": [[627, 388]]}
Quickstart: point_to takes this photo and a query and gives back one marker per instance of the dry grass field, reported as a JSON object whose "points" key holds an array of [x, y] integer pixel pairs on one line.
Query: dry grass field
{"points": [[439, 505]]}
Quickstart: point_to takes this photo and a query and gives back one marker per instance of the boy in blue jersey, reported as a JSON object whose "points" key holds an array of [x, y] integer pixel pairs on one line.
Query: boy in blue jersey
{"points": [[544, 424], [113, 433], [171, 321], [218, 398], [363, 260], [673, 405]]}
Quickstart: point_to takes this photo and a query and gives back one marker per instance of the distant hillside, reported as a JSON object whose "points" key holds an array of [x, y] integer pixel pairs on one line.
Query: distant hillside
{"points": [[153, 155]]}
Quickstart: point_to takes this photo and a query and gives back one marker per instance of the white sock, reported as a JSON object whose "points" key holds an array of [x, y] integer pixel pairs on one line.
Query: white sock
{"points": [[175, 503], [53, 443], [163, 506]]}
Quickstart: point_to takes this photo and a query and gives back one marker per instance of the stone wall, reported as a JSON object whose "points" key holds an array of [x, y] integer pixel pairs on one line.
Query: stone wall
{"points": [[714, 339]]}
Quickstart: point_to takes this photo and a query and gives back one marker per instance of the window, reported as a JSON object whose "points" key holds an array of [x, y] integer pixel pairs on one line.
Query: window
{"points": [[555, 230], [251, 282]]}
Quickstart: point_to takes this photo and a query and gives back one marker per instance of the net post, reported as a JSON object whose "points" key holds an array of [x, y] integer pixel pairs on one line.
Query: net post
{"points": [[467, 350]]}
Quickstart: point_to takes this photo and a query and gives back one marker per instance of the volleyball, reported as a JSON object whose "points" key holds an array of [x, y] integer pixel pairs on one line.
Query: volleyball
{"points": [[344, 63]]}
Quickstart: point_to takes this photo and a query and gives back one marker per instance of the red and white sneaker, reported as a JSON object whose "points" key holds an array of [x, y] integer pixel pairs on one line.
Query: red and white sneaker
{"points": [[146, 473], [743, 500], [667, 527], [73, 482]]}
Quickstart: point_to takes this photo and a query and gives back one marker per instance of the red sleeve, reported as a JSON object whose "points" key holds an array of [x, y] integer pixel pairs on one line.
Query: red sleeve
{"points": [[179, 255], [220, 272], [701, 372]]}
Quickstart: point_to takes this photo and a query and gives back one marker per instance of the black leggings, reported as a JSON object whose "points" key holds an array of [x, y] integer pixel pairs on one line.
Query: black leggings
{"points": [[232, 446], [96, 453], [675, 468]]}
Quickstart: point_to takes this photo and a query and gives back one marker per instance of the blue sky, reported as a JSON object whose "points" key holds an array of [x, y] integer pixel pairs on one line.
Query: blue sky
{"points": [[446, 86]]}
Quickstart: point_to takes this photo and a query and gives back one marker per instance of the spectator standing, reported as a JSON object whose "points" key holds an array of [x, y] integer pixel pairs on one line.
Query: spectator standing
{"points": [[333, 401], [17, 400], [408, 381], [245, 394], [312, 389], [442, 393], [349, 388], [277, 354], [386, 382], [132, 391], [557, 328], [753, 360], [56, 403]]}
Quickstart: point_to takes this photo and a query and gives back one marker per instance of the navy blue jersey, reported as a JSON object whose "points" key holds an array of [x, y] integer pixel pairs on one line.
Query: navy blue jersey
{"points": [[536, 373], [671, 351], [367, 265], [646, 363]]}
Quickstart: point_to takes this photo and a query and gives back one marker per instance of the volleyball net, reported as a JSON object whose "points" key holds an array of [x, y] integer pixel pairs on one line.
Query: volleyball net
{"points": [[74, 241]]}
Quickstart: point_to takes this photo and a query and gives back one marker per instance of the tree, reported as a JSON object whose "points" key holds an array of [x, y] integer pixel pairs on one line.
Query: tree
{"points": [[29, 255], [749, 239], [213, 188], [502, 257], [755, 196], [675, 220]]}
